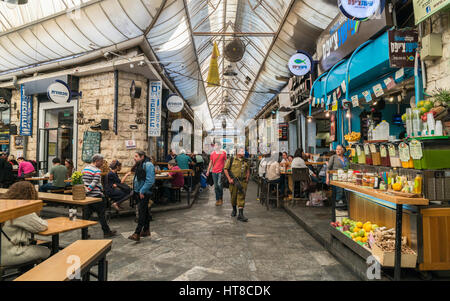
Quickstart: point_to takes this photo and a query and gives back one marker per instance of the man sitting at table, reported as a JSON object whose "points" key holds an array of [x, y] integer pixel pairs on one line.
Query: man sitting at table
{"points": [[58, 174], [177, 181], [26, 168], [92, 182], [16, 247]]}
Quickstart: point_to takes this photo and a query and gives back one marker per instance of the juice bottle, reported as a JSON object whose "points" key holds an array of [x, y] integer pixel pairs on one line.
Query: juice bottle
{"points": [[418, 181]]}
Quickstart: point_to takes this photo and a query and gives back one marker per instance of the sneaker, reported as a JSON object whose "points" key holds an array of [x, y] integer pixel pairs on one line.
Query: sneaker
{"points": [[115, 206], [219, 203], [110, 234]]}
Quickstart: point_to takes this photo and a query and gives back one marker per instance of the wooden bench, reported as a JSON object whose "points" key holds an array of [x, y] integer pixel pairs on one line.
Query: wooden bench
{"points": [[55, 268]]}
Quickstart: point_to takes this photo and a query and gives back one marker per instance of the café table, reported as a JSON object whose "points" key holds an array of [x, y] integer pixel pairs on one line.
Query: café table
{"points": [[60, 225]]}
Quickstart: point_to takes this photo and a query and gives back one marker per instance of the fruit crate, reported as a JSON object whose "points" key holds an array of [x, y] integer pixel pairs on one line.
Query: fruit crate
{"points": [[356, 247]]}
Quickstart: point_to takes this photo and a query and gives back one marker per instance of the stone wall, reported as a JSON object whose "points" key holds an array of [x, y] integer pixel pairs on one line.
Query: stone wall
{"points": [[438, 71], [101, 87]]}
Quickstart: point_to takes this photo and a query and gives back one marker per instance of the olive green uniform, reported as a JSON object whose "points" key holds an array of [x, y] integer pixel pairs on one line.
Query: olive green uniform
{"points": [[239, 168]]}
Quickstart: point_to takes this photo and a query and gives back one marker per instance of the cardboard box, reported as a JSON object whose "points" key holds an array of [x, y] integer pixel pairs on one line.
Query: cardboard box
{"points": [[387, 259]]}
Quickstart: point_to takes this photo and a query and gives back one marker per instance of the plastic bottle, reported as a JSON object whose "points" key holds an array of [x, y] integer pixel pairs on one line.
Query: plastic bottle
{"points": [[416, 123], [425, 130], [438, 131], [418, 184], [383, 130], [409, 127], [431, 124]]}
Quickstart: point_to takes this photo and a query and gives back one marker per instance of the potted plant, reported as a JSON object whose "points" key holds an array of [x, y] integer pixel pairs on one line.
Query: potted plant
{"points": [[78, 189]]}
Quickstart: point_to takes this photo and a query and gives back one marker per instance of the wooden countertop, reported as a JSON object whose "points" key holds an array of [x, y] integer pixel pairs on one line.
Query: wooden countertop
{"points": [[64, 224], [62, 198], [381, 195], [11, 209]]}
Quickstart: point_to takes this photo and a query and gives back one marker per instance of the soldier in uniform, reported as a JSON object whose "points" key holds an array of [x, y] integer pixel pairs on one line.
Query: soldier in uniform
{"points": [[237, 170]]}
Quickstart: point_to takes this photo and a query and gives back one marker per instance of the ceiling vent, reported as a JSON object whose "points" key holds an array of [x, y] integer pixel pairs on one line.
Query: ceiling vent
{"points": [[234, 50]]}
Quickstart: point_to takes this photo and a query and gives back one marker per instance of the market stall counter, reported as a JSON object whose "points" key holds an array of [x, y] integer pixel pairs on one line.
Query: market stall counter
{"points": [[405, 215]]}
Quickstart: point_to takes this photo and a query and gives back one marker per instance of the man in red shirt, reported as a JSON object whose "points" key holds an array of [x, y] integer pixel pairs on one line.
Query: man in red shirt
{"points": [[177, 181], [216, 163]]}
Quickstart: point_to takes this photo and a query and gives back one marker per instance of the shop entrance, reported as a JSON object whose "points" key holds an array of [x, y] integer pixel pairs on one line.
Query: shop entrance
{"points": [[56, 135]]}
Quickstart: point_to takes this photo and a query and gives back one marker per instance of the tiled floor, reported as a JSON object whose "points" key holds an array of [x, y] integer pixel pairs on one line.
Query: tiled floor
{"points": [[205, 243]]}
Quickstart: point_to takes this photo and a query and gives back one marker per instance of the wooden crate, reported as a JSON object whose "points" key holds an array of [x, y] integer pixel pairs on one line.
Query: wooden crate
{"points": [[436, 239]]}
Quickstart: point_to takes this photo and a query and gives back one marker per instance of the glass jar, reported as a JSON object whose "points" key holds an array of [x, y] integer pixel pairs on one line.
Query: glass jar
{"points": [[375, 152], [361, 154], [394, 156], [384, 155], [359, 179], [368, 154]]}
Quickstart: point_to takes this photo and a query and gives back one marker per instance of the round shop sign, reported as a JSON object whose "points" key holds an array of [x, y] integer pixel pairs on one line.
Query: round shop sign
{"points": [[175, 104], [300, 64], [359, 10], [59, 92]]}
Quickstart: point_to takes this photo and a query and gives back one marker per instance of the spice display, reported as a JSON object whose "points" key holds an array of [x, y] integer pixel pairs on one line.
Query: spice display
{"points": [[376, 155], [368, 155], [384, 155]]}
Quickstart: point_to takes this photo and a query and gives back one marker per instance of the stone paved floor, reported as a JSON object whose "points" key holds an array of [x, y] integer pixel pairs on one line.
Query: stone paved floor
{"points": [[205, 243]]}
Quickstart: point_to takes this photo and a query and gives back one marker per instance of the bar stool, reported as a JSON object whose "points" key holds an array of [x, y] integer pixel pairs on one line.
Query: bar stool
{"points": [[177, 193], [268, 197]]}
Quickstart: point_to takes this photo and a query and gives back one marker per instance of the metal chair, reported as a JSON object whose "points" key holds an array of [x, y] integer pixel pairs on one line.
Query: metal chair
{"points": [[300, 175]]}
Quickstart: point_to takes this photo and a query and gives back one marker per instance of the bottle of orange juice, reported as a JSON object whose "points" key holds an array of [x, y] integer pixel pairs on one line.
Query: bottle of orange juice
{"points": [[418, 181]]}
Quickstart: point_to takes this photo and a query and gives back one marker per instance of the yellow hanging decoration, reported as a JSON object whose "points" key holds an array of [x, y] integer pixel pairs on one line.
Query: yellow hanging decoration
{"points": [[213, 73]]}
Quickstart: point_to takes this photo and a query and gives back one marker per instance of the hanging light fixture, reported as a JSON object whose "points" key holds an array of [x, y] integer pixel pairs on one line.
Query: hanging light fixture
{"points": [[348, 115], [17, 2], [327, 114]]}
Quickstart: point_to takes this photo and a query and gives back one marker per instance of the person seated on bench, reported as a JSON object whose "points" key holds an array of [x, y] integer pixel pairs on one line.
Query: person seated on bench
{"points": [[176, 182], [16, 247], [58, 174], [26, 168], [115, 188]]}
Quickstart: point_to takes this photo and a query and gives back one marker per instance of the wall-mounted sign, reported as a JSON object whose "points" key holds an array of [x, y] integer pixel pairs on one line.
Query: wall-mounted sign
{"points": [[300, 64], [359, 10], [175, 103], [402, 48], [18, 142], [58, 92], [344, 35], [26, 113], [154, 109], [130, 144], [283, 129], [91, 145], [425, 8]]}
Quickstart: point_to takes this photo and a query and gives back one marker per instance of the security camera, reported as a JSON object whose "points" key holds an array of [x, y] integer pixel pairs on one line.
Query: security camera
{"points": [[141, 64], [107, 54]]}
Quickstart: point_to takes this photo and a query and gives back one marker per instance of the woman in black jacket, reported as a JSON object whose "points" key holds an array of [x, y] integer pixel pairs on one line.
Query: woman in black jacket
{"points": [[115, 188]]}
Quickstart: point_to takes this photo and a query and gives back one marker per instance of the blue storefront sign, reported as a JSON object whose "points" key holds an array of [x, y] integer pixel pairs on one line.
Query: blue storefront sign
{"points": [[26, 113], [154, 111]]}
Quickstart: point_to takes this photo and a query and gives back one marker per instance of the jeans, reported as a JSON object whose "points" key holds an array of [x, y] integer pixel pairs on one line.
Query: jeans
{"points": [[118, 195], [100, 209], [280, 182], [143, 214], [48, 186], [218, 189]]}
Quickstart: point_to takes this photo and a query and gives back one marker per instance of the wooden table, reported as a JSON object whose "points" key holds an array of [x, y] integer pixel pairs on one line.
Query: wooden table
{"points": [[60, 225], [378, 197], [37, 179], [11, 209], [163, 177]]}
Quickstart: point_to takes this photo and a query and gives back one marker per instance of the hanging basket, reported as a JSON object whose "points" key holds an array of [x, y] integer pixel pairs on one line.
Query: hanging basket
{"points": [[78, 193]]}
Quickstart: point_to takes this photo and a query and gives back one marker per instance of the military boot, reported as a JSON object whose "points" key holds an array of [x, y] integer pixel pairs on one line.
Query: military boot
{"points": [[241, 216], [233, 213]]}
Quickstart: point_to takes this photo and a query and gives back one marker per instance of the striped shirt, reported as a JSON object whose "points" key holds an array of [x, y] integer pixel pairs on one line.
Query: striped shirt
{"points": [[92, 180]]}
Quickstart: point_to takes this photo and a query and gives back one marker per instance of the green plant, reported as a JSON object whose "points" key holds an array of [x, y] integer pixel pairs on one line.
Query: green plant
{"points": [[442, 95], [77, 178]]}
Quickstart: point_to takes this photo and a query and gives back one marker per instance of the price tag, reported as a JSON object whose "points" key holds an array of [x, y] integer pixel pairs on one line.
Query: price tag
{"points": [[403, 150], [367, 95], [373, 149], [400, 73], [378, 90], [415, 148], [391, 149], [366, 149], [355, 101], [389, 82], [343, 86], [383, 151]]}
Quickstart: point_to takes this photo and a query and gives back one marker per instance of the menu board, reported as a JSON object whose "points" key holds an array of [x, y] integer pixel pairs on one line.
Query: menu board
{"points": [[91, 145], [283, 131]]}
